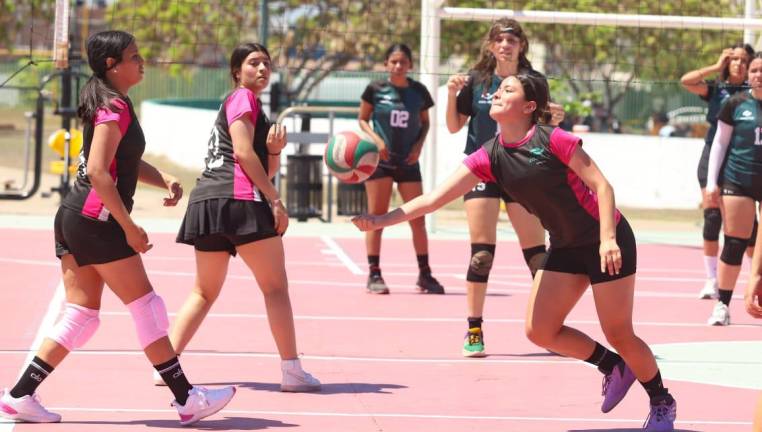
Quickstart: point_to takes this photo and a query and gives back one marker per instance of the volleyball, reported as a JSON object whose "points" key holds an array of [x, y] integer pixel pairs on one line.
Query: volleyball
{"points": [[351, 156]]}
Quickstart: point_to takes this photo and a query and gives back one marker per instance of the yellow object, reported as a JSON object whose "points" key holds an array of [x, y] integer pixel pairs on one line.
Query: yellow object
{"points": [[57, 141], [56, 167]]}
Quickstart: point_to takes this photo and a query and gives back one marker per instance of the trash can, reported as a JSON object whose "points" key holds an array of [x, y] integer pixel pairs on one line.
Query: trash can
{"points": [[352, 199], [304, 186]]}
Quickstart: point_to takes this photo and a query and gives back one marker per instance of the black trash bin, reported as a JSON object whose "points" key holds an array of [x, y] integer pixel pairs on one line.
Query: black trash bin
{"points": [[352, 199], [304, 186]]}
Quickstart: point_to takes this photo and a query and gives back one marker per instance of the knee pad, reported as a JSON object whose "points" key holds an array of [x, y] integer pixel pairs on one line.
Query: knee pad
{"points": [[733, 250], [150, 316], [712, 224], [77, 325], [480, 264], [534, 258], [753, 239]]}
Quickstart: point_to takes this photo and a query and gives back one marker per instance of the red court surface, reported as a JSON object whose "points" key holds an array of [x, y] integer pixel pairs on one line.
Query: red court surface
{"points": [[388, 363]]}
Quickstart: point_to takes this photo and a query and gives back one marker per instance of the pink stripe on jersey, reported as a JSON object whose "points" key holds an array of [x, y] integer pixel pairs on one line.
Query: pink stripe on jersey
{"points": [[563, 144], [479, 165], [241, 102], [243, 187], [586, 198], [122, 118]]}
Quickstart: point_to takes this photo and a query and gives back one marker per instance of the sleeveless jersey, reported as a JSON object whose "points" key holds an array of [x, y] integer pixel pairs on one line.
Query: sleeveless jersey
{"points": [[743, 165]]}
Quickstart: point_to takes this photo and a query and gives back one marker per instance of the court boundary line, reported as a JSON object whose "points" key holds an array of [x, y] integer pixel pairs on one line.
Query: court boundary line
{"points": [[341, 254]]}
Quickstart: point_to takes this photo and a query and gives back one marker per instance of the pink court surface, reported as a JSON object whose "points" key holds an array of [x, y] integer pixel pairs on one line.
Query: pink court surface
{"points": [[387, 363]]}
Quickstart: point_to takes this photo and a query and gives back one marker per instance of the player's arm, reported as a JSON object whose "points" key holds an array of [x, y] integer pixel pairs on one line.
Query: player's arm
{"points": [[694, 81], [366, 111], [415, 152], [455, 120], [148, 174]]}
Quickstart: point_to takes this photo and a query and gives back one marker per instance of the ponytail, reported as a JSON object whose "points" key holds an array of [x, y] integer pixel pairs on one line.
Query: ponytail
{"points": [[97, 92]]}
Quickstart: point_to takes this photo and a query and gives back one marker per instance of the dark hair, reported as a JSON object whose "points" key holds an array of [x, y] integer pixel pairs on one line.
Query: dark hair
{"points": [[399, 47], [536, 89], [97, 91], [239, 55], [485, 66], [725, 73]]}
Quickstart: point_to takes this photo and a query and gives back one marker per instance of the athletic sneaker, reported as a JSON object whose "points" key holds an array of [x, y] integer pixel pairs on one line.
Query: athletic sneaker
{"points": [[295, 379], [426, 284], [376, 285], [615, 386], [662, 415], [473, 344], [720, 315], [202, 403], [157, 379], [710, 290], [26, 408]]}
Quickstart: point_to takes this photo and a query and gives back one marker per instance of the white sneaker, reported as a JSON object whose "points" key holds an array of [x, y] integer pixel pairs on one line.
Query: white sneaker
{"points": [[202, 403], [295, 379], [720, 315], [26, 408], [157, 379], [710, 290]]}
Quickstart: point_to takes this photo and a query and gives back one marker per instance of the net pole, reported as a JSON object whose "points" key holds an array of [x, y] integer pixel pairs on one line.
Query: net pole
{"points": [[430, 37], [750, 36]]}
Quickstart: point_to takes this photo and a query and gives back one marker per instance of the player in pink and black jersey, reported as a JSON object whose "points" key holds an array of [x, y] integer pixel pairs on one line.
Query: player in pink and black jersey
{"points": [[99, 243], [545, 169]]}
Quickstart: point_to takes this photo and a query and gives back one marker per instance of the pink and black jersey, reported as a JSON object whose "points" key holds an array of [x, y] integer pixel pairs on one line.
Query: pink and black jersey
{"points": [[535, 172], [223, 176], [123, 168]]}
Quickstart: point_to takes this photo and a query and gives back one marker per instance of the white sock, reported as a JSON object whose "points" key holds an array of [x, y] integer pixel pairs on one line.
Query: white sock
{"points": [[710, 264], [294, 365]]}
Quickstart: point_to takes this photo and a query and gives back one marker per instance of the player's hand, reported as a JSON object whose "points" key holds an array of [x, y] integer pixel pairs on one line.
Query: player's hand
{"points": [[557, 113], [276, 138], [175, 190], [280, 215], [137, 239], [724, 58], [611, 257], [712, 198], [456, 82], [753, 297], [414, 155], [383, 152], [366, 222]]}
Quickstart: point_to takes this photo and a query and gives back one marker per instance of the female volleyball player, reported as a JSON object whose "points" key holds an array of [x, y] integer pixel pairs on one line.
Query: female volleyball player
{"points": [[235, 209], [545, 169], [468, 100], [738, 179], [753, 300], [398, 108], [732, 67], [99, 243]]}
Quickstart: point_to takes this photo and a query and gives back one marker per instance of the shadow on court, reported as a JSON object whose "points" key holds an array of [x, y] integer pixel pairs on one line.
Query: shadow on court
{"points": [[327, 388], [228, 423]]}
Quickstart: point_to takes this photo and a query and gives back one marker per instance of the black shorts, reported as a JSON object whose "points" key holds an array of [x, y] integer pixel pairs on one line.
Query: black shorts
{"points": [[703, 166], [732, 189], [399, 173], [90, 241], [587, 259], [221, 224], [488, 190]]}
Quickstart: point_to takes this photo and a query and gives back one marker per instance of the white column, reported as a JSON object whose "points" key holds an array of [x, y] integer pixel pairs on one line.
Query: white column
{"points": [[750, 36], [430, 34]]}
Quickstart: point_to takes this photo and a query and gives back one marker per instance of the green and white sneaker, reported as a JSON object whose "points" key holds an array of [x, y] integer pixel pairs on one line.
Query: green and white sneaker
{"points": [[473, 344]]}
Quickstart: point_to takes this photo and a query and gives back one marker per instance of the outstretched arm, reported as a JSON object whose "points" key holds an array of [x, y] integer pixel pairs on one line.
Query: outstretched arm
{"points": [[460, 182]]}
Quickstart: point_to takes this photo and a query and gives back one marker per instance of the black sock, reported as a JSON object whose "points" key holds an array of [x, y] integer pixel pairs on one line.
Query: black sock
{"points": [[656, 390], [475, 322], [725, 296], [423, 264], [534, 258], [604, 359], [32, 377], [374, 264], [172, 374]]}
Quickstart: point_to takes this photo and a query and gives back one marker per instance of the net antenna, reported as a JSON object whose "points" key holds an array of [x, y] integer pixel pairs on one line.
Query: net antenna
{"points": [[61, 34], [433, 12]]}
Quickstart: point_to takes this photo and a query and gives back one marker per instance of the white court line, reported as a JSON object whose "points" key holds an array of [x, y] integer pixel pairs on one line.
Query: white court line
{"points": [[335, 249], [402, 415], [348, 318], [48, 320]]}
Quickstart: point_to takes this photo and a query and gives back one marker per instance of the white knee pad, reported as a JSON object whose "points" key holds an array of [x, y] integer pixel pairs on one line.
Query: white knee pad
{"points": [[150, 316], [77, 325]]}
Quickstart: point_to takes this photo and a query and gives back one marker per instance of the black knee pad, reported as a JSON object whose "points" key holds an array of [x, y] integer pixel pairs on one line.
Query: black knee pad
{"points": [[480, 264], [733, 250], [712, 224], [534, 258], [753, 239]]}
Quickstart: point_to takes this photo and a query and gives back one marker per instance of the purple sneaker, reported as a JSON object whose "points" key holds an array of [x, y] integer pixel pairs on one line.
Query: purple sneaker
{"points": [[615, 386], [662, 416]]}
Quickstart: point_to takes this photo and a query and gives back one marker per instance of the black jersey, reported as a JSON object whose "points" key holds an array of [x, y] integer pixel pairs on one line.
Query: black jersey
{"points": [[397, 114], [223, 176], [534, 172], [475, 100], [123, 168], [743, 165], [718, 92]]}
